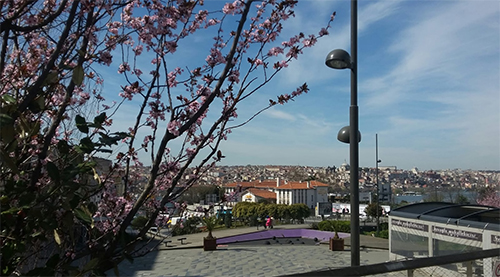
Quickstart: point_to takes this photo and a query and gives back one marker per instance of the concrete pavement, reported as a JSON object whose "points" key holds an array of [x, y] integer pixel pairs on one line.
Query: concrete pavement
{"points": [[189, 259]]}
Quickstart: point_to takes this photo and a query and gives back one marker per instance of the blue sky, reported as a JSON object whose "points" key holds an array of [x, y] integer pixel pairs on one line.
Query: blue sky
{"points": [[428, 85]]}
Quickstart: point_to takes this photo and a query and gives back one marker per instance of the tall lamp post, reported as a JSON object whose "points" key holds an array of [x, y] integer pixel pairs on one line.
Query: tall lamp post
{"points": [[377, 161], [340, 59]]}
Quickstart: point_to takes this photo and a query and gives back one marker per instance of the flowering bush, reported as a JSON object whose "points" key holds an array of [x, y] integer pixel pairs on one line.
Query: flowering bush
{"points": [[489, 197], [188, 226], [66, 209]]}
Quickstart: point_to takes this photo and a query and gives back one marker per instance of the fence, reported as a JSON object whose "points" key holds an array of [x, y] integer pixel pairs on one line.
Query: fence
{"points": [[464, 264]]}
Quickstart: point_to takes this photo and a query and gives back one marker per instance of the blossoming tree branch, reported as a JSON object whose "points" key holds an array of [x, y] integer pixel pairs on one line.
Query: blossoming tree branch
{"points": [[62, 211]]}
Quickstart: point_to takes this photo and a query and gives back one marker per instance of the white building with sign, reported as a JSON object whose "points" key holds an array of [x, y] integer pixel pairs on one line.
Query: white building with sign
{"points": [[306, 192], [432, 229]]}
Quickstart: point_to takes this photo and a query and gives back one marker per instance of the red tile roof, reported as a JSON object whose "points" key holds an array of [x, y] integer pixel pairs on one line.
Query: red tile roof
{"points": [[272, 184], [302, 185], [262, 193]]}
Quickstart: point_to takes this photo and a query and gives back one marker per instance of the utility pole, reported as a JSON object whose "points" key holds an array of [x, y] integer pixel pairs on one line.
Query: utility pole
{"points": [[377, 161]]}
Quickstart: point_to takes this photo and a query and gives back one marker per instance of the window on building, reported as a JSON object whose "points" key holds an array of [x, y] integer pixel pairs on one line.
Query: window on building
{"points": [[441, 247], [409, 245]]}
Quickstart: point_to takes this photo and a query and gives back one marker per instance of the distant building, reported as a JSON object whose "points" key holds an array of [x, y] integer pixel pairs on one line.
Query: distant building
{"points": [[384, 193], [257, 195], [365, 196], [306, 192]]}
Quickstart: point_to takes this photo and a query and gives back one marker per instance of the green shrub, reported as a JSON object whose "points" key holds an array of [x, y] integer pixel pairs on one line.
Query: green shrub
{"points": [[335, 225], [228, 220], [326, 225], [343, 226], [384, 226], [139, 222], [383, 234], [253, 220], [314, 226]]}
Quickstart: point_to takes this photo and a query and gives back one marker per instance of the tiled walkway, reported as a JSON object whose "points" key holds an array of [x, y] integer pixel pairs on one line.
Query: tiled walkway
{"points": [[189, 259]]}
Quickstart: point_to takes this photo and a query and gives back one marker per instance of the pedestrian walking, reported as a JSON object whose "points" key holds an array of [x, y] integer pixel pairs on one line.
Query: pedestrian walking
{"points": [[268, 222]]}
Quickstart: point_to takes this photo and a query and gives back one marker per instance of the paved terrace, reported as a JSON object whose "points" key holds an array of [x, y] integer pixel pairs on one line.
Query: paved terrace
{"points": [[187, 258]]}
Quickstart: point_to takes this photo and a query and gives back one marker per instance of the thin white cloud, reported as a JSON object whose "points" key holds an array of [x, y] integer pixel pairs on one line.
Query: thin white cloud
{"points": [[275, 113], [440, 98]]}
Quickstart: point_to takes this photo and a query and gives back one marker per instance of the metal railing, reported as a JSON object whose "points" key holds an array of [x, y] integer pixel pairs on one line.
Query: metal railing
{"points": [[411, 267]]}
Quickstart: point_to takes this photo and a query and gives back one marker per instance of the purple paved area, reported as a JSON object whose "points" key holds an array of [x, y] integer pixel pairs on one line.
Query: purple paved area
{"points": [[322, 236]]}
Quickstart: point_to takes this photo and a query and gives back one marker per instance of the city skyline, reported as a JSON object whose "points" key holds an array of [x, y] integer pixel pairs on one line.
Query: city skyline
{"points": [[428, 85]]}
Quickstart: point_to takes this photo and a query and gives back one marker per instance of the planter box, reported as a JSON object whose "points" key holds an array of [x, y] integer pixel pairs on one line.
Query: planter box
{"points": [[209, 244], [336, 244]]}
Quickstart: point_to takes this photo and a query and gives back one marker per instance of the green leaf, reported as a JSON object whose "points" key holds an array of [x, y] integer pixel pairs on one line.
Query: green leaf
{"points": [[67, 220], [38, 104], [63, 147], [81, 124], [5, 119], [121, 135], [13, 210], [99, 120], [40, 101], [41, 271], [52, 78], [8, 133], [86, 145], [37, 234], [78, 75], [113, 139], [8, 161], [9, 99], [53, 171], [56, 237], [92, 207], [84, 215], [75, 201], [90, 265], [52, 262]]}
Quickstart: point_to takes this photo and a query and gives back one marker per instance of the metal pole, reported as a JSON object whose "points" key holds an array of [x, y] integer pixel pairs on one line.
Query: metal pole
{"points": [[376, 179], [354, 139]]}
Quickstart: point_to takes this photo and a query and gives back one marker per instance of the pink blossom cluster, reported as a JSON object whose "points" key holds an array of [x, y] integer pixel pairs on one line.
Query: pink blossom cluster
{"points": [[233, 8], [112, 209], [492, 199]]}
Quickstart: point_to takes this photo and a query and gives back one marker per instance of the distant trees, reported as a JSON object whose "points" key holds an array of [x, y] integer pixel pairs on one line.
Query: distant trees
{"points": [[372, 209], [461, 199], [249, 210]]}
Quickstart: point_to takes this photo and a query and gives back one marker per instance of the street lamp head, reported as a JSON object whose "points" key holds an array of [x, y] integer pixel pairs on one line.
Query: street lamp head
{"points": [[343, 135], [338, 59]]}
